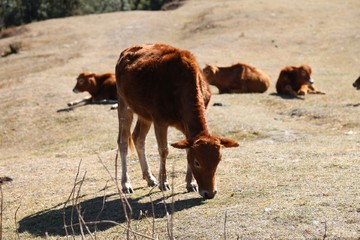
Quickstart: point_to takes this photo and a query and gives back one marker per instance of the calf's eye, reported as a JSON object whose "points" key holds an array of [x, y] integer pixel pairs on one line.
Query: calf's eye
{"points": [[197, 164]]}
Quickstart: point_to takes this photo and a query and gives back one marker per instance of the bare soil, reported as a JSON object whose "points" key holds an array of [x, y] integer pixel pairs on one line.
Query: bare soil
{"points": [[295, 175]]}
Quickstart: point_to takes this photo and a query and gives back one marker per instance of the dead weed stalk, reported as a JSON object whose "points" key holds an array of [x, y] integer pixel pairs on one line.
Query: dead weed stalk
{"points": [[3, 180], [83, 225]]}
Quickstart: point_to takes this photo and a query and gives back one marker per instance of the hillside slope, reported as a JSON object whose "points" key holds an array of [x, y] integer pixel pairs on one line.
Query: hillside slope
{"points": [[298, 156]]}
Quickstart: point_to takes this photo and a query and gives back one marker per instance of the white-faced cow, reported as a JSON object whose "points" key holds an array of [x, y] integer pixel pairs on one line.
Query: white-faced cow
{"points": [[102, 88], [238, 78], [296, 81], [164, 85]]}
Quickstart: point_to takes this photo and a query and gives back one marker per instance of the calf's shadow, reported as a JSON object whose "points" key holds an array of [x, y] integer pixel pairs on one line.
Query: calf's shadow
{"points": [[71, 108], [353, 105], [50, 221], [286, 96]]}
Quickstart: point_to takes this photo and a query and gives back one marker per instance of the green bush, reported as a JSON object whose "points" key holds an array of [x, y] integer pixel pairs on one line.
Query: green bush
{"points": [[16, 12]]}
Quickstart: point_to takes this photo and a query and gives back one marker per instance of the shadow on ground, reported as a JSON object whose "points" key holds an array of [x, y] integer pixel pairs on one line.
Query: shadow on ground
{"points": [[285, 96], [353, 105], [51, 222], [71, 108]]}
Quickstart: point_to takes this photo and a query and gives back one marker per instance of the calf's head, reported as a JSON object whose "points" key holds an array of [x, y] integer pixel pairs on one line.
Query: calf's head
{"points": [[303, 74], [356, 84], [84, 82], [203, 157], [209, 72]]}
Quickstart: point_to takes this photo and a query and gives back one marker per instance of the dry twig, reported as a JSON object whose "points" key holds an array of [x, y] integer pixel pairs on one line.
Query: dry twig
{"points": [[225, 224], [71, 194], [324, 236], [1, 213], [17, 230]]}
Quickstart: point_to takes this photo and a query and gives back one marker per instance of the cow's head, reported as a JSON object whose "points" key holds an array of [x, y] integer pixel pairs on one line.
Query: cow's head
{"points": [[303, 74], [203, 157], [209, 72], [84, 82], [356, 84]]}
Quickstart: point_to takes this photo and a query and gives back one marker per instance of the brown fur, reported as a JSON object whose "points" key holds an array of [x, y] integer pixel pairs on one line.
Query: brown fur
{"points": [[356, 84], [102, 88], [238, 78], [296, 81], [163, 85]]}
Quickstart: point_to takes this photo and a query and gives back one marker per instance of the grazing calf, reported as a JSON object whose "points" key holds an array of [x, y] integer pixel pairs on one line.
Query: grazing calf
{"points": [[356, 84], [296, 81], [164, 85], [102, 88], [238, 78]]}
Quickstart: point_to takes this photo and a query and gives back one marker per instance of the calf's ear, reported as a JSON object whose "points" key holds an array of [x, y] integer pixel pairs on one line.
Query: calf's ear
{"points": [[228, 143], [181, 144]]}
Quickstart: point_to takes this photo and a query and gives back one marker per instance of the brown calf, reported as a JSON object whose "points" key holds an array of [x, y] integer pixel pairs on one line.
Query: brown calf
{"points": [[102, 88], [296, 81], [238, 78], [164, 85], [356, 84]]}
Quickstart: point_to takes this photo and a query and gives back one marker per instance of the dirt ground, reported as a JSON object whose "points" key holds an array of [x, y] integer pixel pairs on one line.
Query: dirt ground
{"points": [[294, 176]]}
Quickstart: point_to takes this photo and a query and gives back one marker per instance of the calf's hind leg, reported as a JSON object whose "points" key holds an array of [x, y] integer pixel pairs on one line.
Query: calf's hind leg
{"points": [[161, 137], [141, 130], [125, 115]]}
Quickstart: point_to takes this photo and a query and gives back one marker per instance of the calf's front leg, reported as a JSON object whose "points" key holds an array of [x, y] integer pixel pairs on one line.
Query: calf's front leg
{"points": [[312, 90], [303, 90], [190, 181], [86, 100]]}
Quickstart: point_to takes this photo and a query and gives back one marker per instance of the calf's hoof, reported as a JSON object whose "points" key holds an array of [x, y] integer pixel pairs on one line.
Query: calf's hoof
{"points": [[128, 190], [192, 189], [165, 186], [70, 104], [153, 184]]}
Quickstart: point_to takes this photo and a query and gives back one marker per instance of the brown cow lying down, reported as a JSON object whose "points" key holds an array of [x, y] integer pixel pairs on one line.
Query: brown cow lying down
{"points": [[102, 88], [238, 78], [356, 84], [164, 86], [296, 81]]}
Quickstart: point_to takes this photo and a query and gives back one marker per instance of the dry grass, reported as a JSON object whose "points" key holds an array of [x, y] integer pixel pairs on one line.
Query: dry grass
{"points": [[12, 31], [295, 171]]}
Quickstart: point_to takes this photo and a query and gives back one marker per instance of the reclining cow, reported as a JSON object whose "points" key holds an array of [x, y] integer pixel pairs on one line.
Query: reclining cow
{"points": [[102, 88], [238, 78], [164, 85], [296, 81]]}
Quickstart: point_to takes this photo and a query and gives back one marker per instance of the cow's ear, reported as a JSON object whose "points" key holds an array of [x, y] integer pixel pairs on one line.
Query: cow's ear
{"points": [[228, 143], [214, 69], [181, 144]]}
